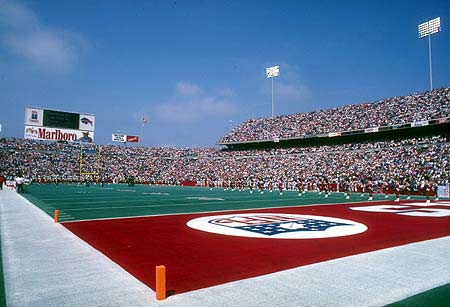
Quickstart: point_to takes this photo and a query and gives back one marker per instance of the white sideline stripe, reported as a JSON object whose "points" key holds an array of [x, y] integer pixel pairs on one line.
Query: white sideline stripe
{"points": [[85, 277]]}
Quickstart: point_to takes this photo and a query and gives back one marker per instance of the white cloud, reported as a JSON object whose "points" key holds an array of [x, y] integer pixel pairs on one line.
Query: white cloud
{"points": [[192, 104], [25, 36], [292, 92], [186, 88], [15, 15]]}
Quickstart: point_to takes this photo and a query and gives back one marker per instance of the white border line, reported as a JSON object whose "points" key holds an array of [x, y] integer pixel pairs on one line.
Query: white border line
{"points": [[230, 210]]}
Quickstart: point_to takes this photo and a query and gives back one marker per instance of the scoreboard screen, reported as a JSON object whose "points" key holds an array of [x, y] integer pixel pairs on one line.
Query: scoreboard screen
{"points": [[61, 119]]}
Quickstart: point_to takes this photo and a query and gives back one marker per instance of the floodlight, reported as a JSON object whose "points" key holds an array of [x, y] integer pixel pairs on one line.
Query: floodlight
{"points": [[429, 28], [272, 72]]}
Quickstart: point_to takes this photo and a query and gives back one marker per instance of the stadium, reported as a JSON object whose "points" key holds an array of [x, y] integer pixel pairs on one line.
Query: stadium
{"points": [[336, 205]]}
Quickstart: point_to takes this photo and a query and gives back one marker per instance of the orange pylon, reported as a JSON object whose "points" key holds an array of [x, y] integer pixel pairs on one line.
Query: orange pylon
{"points": [[160, 282], [56, 214]]}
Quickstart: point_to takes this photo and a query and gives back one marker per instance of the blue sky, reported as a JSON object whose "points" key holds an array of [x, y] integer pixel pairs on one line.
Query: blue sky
{"points": [[191, 66]]}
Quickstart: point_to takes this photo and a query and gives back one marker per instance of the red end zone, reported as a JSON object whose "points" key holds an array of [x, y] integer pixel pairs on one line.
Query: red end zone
{"points": [[197, 259]]}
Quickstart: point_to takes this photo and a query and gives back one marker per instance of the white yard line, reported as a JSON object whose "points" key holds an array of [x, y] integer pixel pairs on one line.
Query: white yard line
{"points": [[200, 212]]}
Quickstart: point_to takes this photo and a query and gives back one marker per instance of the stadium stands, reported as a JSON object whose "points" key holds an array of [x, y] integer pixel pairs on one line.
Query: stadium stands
{"points": [[411, 161], [386, 112]]}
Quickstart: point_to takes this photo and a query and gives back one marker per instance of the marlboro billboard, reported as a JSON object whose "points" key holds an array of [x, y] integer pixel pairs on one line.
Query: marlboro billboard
{"points": [[52, 125], [56, 134]]}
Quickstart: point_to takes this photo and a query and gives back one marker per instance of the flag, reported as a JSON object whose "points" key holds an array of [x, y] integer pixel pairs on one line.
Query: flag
{"points": [[273, 71]]}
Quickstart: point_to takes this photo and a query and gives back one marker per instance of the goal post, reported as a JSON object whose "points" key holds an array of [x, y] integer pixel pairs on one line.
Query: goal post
{"points": [[90, 161]]}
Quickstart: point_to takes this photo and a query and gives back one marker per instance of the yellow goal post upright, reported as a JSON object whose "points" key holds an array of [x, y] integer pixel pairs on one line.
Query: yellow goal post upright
{"points": [[90, 161]]}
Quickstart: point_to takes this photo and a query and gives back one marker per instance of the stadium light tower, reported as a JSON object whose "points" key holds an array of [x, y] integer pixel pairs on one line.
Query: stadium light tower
{"points": [[272, 72], [429, 28]]}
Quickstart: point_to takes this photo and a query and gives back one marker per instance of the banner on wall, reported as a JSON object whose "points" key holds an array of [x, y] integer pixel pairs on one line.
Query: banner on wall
{"points": [[57, 134]]}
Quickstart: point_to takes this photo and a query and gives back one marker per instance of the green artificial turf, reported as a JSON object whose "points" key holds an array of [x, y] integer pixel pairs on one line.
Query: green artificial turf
{"points": [[437, 297], [78, 202]]}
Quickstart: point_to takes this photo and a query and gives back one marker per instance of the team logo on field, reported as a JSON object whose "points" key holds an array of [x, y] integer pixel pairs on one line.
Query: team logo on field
{"points": [[277, 226]]}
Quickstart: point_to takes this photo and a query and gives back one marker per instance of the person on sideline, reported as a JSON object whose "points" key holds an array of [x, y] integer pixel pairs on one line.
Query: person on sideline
{"points": [[19, 183], [2, 180]]}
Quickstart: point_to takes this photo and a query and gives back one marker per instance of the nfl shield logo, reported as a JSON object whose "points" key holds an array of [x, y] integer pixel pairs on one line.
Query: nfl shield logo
{"points": [[277, 226], [269, 225]]}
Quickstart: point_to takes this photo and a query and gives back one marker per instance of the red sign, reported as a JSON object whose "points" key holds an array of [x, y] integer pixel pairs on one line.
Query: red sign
{"points": [[132, 139]]}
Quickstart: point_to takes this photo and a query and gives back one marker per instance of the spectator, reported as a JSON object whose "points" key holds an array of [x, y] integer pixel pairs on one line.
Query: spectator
{"points": [[386, 112]]}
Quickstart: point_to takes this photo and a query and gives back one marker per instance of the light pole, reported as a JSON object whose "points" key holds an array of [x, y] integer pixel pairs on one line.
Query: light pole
{"points": [[272, 72], [429, 28], [143, 123]]}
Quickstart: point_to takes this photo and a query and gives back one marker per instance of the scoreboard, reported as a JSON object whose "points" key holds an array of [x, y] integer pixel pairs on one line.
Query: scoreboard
{"points": [[43, 124], [58, 119]]}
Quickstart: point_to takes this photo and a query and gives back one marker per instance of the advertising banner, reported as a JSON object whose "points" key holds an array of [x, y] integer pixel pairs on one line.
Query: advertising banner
{"points": [[87, 122], [370, 130], [132, 139], [118, 137], [421, 123], [57, 134], [34, 117], [333, 134]]}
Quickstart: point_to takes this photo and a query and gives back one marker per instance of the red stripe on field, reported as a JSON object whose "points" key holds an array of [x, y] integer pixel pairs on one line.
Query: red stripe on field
{"points": [[197, 259]]}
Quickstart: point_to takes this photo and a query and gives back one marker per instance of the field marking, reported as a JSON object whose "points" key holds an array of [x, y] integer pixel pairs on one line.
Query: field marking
{"points": [[93, 195], [227, 210], [61, 202], [205, 198], [190, 204], [138, 198], [200, 193], [256, 198], [154, 193], [171, 205]]}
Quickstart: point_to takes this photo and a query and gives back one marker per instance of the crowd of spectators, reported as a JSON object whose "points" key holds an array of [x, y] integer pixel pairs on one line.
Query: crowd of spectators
{"points": [[415, 160], [411, 160], [391, 111]]}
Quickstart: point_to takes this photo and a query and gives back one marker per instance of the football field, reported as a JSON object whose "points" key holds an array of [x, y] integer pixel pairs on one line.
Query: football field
{"points": [[78, 202], [208, 237]]}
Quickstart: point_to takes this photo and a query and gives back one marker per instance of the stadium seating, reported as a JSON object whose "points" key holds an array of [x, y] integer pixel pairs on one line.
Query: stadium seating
{"points": [[409, 161], [386, 112], [414, 160]]}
